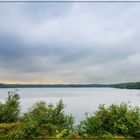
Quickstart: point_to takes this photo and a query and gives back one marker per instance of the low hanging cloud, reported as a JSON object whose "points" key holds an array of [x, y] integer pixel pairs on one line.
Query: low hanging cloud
{"points": [[69, 42]]}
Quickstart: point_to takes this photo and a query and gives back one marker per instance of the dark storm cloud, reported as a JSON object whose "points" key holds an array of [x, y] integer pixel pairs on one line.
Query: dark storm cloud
{"points": [[17, 56]]}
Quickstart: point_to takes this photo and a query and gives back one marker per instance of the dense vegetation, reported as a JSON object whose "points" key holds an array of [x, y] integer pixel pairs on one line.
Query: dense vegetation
{"points": [[119, 120], [49, 121], [130, 85]]}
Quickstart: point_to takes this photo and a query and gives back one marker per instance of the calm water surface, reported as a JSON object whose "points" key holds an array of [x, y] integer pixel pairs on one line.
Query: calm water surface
{"points": [[77, 100]]}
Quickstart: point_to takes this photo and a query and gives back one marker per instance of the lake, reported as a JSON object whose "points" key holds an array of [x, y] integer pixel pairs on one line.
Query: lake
{"points": [[77, 100]]}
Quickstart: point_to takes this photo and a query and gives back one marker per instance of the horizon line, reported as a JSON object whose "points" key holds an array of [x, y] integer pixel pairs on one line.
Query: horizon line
{"points": [[68, 83]]}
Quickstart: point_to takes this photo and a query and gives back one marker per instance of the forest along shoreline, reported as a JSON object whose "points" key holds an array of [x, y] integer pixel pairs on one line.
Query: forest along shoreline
{"points": [[128, 85]]}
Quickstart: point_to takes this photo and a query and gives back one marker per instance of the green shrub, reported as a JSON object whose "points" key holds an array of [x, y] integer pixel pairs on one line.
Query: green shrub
{"points": [[62, 134], [113, 120], [10, 126], [7, 129], [10, 110], [105, 134], [49, 118], [16, 134], [31, 129]]}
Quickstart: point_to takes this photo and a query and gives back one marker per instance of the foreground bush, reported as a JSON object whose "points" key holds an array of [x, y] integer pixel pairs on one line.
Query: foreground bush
{"points": [[121, 120], [47, 120], [6, 129], [10, 109], [44, 119], [10, 126], [40, 121]]}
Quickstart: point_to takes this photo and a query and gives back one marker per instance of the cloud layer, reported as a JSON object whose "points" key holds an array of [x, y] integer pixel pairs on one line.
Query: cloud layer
{"points": [[69, 42]]}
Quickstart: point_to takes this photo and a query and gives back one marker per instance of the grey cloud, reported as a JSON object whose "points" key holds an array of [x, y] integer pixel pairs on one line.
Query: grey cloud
{"points": [[38, 12], [69, 42]]}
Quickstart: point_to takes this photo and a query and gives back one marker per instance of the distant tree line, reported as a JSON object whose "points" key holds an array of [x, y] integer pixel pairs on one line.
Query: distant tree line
{"points": [[50, 85], [129, 85], [2, 85]]}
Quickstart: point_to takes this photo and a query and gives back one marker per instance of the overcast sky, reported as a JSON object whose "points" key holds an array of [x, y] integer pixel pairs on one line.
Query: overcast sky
{"points": [[69, 42]]}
